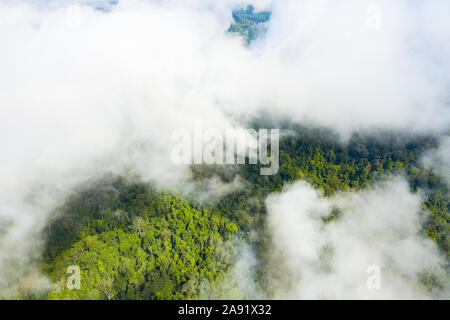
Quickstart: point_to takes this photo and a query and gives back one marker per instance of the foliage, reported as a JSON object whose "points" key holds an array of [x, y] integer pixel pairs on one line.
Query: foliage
{"points": [[133, 242], [248, 23]]}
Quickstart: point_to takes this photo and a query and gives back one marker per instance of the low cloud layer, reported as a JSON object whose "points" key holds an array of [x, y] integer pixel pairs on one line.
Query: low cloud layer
{"points": [[377, 228], [85, 92]]}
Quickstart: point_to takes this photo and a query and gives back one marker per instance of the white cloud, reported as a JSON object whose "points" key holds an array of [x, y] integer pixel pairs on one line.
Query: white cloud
{"points": [[83, 92], [378, 227]]}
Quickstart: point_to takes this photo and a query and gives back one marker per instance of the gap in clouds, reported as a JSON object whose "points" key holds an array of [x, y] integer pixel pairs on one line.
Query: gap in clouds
{"points": [[85, 93]]}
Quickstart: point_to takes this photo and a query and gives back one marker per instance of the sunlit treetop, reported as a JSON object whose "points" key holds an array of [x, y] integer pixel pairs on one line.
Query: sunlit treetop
{"points": [[249, 24]]}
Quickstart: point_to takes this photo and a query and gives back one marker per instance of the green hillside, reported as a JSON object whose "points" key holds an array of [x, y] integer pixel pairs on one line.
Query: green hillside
{"points": [[249, 24], [133, 242]]}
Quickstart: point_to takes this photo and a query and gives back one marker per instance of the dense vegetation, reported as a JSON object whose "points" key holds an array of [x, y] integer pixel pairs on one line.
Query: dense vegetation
{"points": [[248, 23], [133, 242]]}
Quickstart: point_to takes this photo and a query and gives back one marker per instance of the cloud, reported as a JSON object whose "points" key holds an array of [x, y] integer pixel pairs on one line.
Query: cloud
{"points": [[239, 282], [81, 98], [377, 227], [210, 189], [85, 92], [329, 66], [439, 159]]}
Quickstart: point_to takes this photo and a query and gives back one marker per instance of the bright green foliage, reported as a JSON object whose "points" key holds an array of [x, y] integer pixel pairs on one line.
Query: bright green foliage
{"points": [[132, 242], [161, 248], [318, 157]]}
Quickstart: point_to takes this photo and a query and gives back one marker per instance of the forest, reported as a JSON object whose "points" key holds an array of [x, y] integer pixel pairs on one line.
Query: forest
{"points": [[133, 241], [92, 209], [249, 24]]}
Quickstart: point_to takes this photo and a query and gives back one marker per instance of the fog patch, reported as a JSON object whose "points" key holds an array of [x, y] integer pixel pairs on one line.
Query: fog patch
{"points": [[378, 227]]}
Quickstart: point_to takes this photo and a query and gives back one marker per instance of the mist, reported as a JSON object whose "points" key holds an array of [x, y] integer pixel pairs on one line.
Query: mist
{"points": [[86, 92], [378, 228], [439, 159]]}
